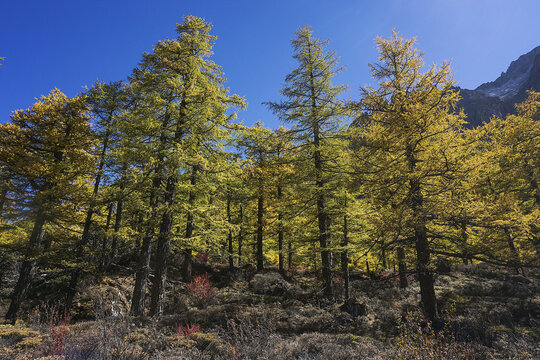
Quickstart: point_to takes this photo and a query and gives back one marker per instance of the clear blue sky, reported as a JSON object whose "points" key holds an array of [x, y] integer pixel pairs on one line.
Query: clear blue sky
{"points": [[69, 44]]}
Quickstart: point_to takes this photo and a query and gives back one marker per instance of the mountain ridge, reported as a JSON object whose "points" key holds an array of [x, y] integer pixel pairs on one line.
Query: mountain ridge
{"points": [[499, 97]]}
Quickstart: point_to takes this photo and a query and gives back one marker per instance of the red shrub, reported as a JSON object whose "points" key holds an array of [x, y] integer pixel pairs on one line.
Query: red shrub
{"points": [[59, 328], [201, 288], [188, 330]]}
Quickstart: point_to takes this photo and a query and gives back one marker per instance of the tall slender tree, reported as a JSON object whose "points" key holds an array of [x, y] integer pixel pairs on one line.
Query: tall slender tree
{"points": [[311, 104]]}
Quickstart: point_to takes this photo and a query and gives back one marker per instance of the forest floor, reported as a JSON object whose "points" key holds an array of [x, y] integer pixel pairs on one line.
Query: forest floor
{"points": [[487, 313]]}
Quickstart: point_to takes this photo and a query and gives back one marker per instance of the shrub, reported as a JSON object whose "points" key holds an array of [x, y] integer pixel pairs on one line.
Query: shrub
{"points": [[188, 330], [59, 328], [201, 287]]}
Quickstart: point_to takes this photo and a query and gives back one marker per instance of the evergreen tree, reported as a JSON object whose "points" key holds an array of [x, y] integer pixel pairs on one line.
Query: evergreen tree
{"points": [[411, 144], [311, 104], [47, 148]]}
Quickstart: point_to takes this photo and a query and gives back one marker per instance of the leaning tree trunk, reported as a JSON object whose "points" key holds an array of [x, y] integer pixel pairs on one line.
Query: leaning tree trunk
{"points": [[26, 273], [515, 262], [77, 272], [105, 240]]}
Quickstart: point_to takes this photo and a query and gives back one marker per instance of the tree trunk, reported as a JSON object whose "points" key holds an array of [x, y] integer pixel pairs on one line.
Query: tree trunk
{"points": [[289, 250], [159, 282], [141, 276], [281, 265], [76, 274], [3, 201], [322, 216], [515, 261], [143, 265], [105, 240], [402, 268], [229, 236], [345, 260], [117, 226], [188, 253], [260, 213], [240, 236], [26, 273]]}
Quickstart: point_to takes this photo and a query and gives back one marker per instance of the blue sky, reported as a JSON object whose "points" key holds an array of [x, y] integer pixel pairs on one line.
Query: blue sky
{"points": [[70, 44]]}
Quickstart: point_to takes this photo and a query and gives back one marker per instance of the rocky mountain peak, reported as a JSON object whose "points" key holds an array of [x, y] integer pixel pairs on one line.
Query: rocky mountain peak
{"points": [[498, 97]]}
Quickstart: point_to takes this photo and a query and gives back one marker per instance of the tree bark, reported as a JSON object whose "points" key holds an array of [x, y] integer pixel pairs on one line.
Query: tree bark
{"points": [[3, 201], [77, 272], [163, 248], [322, 216], [240, 236], [26, 273], [402, 268], [260, 213], [345, 259], [138, 299], [515, 261], [229, 236], [281, 265], [188, 253]]}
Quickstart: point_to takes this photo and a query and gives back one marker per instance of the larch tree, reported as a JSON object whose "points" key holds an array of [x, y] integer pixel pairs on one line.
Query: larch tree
{"points": [[411, 144], [47, 148], [311, 104], [106, 102], [187, 107]]}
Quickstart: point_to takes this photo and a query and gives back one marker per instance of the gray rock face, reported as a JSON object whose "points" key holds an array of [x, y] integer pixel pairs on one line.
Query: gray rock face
{"points": [[498, 98]]}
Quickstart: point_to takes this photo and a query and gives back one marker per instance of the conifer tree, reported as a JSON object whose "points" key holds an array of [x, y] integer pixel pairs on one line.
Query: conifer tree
{"points": [[311, 104], [411, 143], [47, 148], [187, 104]]}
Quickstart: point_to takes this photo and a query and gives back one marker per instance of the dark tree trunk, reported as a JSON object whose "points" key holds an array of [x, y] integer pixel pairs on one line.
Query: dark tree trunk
{"points": [[118, 218], [425, 274], [138, 299], [229, 236], [240, 236], [345, 259], [322, 216], [105, 240], [188, 253], [515, 262], [383, 256], [3, 201], [141, 276], [281, 265], [402, 268], [260, 213], [77, 272], [26, 273], [289, 250], [159, 282], [117, 226]]}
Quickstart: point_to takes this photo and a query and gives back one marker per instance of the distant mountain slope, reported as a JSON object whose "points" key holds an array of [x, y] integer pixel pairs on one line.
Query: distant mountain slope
{"points": [[499, 97]]}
